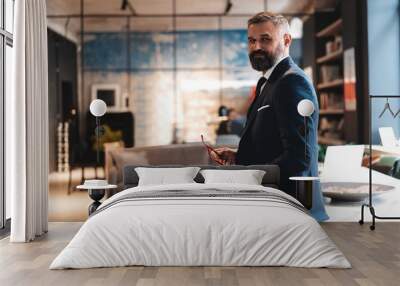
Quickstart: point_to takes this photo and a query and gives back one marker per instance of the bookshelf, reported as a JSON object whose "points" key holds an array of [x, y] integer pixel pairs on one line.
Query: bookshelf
{"points": [[331, 57], [331, 111], [337, 83], [334, 55], [330, 82], [333, 29]]}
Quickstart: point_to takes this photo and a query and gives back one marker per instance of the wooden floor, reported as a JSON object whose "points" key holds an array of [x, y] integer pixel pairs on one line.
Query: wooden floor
{"points": [[64, 205], [375, 257]]}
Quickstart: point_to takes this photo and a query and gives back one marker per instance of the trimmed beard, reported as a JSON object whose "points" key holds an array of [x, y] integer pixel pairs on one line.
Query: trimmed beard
{"points": [[261, 60]]}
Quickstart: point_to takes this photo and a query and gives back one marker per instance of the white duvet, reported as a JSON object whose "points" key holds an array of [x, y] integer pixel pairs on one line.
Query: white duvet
{"points": [[200, 231]]}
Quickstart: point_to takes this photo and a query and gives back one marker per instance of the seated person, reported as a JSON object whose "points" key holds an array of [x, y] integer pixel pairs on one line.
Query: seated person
{"points": [[235, 122]]}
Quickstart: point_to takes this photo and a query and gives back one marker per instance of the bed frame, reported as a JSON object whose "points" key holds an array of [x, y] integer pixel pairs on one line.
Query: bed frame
{"points": [[270, 179]]}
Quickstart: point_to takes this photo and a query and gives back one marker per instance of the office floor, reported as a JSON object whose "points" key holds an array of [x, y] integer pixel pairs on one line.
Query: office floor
{"points": [[374, 255]]}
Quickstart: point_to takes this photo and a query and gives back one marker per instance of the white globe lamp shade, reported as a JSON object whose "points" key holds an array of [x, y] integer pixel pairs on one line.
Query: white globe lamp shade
{"points": [[305, 107], [296, 28], [98, 107]]}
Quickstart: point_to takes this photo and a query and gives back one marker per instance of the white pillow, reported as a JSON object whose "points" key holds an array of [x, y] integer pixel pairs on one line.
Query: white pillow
{"points": [[163, 176], [248, 177]]}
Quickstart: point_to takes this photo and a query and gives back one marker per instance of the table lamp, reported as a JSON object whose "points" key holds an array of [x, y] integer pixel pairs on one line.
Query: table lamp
{"points": [[305, 108], [304, 185], [98, 108], [96, 188]]}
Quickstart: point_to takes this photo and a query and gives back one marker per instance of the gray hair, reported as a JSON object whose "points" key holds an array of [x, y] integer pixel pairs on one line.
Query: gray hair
{"points": [[276, 19]]}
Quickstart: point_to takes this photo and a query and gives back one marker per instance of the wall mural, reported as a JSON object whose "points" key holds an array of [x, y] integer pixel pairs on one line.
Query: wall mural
{"points": [[146, 75]]}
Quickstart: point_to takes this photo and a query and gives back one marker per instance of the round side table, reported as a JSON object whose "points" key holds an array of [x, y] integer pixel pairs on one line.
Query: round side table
{"points": [[96, 193], [304, 190]]}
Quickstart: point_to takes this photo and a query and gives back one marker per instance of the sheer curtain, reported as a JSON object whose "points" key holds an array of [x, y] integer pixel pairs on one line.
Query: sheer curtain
{"points": [[27, 124]]}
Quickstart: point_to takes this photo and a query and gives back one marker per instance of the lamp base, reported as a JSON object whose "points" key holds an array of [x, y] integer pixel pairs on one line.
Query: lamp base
{"points": [[96, 195]]}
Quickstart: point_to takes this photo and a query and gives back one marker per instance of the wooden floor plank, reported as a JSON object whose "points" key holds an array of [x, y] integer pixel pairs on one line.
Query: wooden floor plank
{"points": [[375, 257]]}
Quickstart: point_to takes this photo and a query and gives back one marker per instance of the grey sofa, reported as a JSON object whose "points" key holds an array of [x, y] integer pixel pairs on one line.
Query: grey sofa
{"points": [[177, 154]]}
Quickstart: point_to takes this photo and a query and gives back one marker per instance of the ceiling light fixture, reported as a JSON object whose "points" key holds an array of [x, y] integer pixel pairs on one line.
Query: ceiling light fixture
{"points": [[126, 4], [228, 7]]}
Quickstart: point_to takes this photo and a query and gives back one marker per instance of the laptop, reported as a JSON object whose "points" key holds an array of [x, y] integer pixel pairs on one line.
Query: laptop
{"points": [[388, 138]]}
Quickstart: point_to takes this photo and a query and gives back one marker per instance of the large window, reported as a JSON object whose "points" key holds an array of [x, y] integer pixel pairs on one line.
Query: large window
{"points": [[6, 65]]}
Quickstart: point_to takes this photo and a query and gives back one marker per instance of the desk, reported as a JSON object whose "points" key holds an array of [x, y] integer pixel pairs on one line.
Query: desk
{"points": [[383, 150]]}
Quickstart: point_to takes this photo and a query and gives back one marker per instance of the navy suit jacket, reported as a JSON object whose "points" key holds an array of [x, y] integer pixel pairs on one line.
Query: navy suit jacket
{"points": [[274, 131]]}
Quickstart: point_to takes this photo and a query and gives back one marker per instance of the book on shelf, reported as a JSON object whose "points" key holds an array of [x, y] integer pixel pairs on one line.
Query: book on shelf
{"points": [[340, 125], [331, 100], [331, 126], [334, 45], [329, 73]]}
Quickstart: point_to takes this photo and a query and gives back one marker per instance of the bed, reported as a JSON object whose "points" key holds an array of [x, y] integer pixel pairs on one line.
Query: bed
{"points": [[198, 224]]}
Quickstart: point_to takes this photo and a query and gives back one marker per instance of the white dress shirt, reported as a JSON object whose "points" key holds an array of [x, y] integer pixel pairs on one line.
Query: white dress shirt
{"points": [[269, 71]]}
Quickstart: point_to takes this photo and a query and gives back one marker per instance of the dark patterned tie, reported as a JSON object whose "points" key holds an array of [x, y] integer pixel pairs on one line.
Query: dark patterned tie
{"points": [[260, 83]]}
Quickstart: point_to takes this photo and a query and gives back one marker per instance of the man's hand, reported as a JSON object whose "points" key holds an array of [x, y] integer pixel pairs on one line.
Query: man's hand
{"points": [[224, 155]]}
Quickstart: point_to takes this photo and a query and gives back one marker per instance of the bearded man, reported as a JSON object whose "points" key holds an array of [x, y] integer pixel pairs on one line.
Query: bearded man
{"points": [[274, 131]]}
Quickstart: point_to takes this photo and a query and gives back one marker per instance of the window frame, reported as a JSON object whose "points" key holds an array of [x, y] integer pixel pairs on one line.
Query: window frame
{"points": [[6, 39]]}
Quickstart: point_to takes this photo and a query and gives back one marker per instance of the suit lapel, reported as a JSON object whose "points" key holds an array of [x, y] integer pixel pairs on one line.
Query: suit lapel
{"points": [[279, 70], [254, 107], [255, 102]]}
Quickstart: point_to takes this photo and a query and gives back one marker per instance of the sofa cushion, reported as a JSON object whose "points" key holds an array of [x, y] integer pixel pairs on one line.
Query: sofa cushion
{"points": [[176, 154], [122, 159]]}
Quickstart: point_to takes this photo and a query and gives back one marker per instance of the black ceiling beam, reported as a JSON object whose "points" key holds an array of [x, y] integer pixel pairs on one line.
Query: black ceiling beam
{"points": [[167, 15]]}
